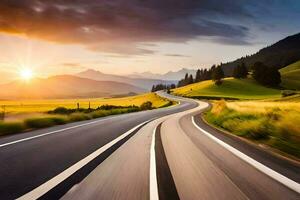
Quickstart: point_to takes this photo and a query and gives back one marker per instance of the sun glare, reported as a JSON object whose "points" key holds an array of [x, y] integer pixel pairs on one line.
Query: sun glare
{"points": [[26, 74]]}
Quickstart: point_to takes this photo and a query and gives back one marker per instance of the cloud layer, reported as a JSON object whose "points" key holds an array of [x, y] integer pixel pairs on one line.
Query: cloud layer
{"points": [[125, 26]]}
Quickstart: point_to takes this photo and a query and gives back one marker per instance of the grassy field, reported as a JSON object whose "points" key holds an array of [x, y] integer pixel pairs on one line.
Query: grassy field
{"points": [[290, 76], [231, 88], [276, 124], [28, 115], [37, 106]]}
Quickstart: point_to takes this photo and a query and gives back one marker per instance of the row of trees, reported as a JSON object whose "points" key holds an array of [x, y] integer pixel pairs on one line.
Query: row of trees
{"points": [[263, 74], [201, 75], [268, 76], [162, 87]]}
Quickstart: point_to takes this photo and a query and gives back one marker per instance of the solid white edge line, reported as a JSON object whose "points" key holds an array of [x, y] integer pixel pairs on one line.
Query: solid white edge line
{"points": [[64, 129], [47, 186], [266, 170], [153, 178]]}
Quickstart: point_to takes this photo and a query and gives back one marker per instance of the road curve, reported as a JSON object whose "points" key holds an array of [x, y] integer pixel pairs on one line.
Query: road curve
{"points": [[31, 159], [188, 164]]}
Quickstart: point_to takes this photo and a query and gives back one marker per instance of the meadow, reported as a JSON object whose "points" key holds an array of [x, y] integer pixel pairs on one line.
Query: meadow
{"points": [[16, 109], [230, 89], [273, 123], [34, 114], [290, 76]]}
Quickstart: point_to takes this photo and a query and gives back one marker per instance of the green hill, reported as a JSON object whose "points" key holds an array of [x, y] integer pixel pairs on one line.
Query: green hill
{"points": [[279, 55], [290, 76], [231, 88]]}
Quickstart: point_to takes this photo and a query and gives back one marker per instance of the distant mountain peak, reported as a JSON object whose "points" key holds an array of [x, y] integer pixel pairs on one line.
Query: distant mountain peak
{"points": [[169, 76]]}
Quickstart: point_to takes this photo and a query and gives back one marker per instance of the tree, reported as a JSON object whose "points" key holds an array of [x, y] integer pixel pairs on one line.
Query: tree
{"points": [[240, 71], [186, 78], [172, 86], [265, 75], [190, 80], [217, 75], [153, 88], [198, 76], [237, 72]]}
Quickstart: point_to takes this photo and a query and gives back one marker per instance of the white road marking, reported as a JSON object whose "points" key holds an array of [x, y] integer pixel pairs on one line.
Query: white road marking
{"points": [[266, 170], [52, 132], [64, 129], [47, 186], [153, 178]]}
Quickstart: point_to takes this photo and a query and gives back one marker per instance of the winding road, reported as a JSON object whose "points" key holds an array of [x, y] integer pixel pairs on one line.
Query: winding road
{"points": [[168, 153]]}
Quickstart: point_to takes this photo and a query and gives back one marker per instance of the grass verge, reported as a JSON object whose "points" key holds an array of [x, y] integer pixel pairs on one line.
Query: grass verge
{"points": [[62, 115], [275, 124]]}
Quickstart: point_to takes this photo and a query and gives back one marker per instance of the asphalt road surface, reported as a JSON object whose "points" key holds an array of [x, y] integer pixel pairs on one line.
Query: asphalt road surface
{"points": [[166, 153]]}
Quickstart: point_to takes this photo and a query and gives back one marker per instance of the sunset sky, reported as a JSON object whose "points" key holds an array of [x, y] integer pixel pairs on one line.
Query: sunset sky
{"points": [[126, 36]]}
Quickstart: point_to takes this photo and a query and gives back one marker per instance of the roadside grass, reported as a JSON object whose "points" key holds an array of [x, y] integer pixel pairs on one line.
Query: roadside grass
{"points": [[276, 124], [62, 115], [230, 89], [22, 107]]}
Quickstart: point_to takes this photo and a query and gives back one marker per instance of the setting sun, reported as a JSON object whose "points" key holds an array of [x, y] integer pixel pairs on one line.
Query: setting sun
{"points": [[26, 74]]}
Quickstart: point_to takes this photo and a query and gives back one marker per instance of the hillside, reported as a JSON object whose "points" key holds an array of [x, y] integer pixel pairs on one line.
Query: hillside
{"points": [[290, 76], [65, 86], [144, 83], [231, 89], [279, 55]]}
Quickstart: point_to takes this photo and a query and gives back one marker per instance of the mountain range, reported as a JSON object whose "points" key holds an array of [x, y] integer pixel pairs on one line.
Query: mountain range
{"points": [[142, 82], [65, 86], [170, 76], [86, 84]]}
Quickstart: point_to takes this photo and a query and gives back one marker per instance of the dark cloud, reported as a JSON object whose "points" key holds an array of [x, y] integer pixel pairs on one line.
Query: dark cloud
{"points": [[122, 26]]}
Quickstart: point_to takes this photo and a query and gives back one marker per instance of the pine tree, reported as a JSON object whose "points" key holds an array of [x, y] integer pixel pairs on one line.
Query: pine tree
{"points": [[191, 80], [186, 79], [153, 88], [243, 70], [237, 72], [217, 75], [198, 76]]}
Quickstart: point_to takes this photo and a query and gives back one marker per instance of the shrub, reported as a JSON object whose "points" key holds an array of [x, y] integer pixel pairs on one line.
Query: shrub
{"points": [[286, 93], [39, 122], [100, 113], [146, 105], [11, 127], [74, 117], [59, 120], [61, 110]]}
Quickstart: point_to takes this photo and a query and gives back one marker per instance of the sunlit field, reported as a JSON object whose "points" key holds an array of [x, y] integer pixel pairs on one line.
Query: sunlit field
{"points": [[230, 89], [276, 124], [34, 106], [20, 116]]}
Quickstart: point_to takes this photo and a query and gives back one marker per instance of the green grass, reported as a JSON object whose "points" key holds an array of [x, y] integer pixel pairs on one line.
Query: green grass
{"points": [[231, 89], [276, 124], [290, 76]]}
